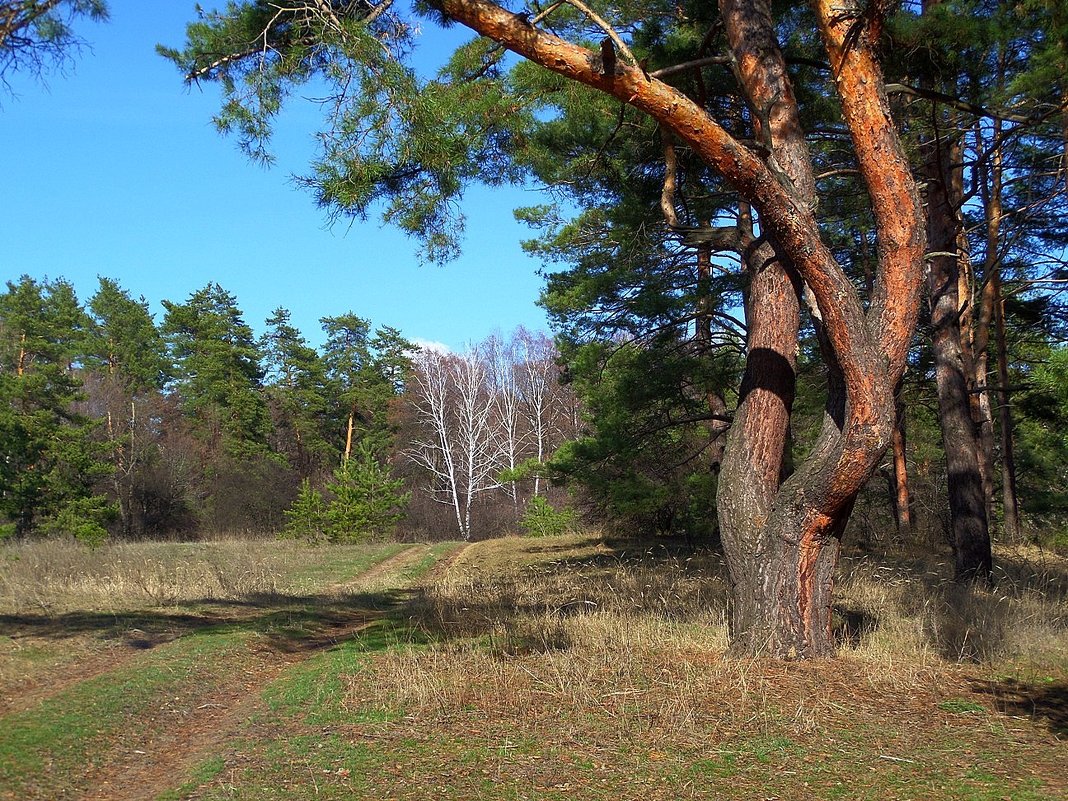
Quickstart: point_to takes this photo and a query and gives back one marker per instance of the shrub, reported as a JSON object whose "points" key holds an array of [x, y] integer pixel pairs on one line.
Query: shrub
{"points": [[541, 520]]}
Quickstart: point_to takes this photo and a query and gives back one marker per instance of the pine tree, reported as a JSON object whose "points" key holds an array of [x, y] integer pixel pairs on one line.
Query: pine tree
{"points": [[126, 370], [299, 396], [306, 518], [414, 144], [38, 34], [51, 461], [218, 371], [366, 501]]}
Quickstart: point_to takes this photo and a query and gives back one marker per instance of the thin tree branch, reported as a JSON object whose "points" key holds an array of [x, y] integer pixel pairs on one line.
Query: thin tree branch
{"points": [[689, 65], [955, 102], [604, 26]]}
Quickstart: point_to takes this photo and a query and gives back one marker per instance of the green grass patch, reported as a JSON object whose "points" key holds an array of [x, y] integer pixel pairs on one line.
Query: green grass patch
{"points": [[306, 766], [341, 563], [204, 773], [433, 555], [45, 748], [314, 691]]}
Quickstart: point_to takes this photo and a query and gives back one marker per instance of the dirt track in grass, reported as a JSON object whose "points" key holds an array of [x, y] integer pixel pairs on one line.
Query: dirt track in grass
{"points": [[208, 710], [534, 689]]}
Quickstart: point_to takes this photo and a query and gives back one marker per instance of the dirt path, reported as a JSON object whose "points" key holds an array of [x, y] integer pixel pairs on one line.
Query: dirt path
{"points": [[189, 730], [384, 573], [21, 692]]}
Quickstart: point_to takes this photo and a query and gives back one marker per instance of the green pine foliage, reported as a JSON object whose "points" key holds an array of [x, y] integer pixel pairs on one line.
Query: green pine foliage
{"points": [[299, 396], [51, 459], [392, 140], [40, 34], [125, 341], [85, 519], [540, 519], [218, 371], [366, 501], [364, 373], [306, 518]]}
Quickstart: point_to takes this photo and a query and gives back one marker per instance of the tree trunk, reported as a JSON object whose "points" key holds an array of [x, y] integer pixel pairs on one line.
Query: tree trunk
{"points": [[782, 539], [350, 427], [973, 356], [969, 535], [1010, 501], [899, 477], [993, 314]]}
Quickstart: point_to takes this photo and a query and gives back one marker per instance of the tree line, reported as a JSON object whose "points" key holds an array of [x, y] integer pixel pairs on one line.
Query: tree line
{"points": [[114, 425]]}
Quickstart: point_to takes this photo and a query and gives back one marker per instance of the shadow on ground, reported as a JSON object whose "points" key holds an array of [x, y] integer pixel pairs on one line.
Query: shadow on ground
{"points": [[1042, 701], [289, 623]]}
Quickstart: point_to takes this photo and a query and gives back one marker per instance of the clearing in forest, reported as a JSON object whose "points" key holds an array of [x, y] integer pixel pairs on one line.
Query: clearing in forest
{"points": [[519, 668]]}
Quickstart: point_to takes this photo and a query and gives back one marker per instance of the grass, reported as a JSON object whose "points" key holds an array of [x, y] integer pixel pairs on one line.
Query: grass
{"points": [[581, 668], [56, 576], [115, 651], [43, 745]]}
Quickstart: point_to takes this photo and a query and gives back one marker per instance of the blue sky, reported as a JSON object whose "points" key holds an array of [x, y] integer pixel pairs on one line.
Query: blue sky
{"points": [[115, 169]]}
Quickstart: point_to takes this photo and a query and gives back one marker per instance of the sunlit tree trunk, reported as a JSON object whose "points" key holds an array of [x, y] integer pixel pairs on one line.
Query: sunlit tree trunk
{"points": [[899, 476]]}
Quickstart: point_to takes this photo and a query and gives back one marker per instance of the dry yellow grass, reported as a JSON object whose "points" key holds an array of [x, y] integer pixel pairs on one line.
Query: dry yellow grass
{"points": [[592, 667], [57, 576], [579, 623]]}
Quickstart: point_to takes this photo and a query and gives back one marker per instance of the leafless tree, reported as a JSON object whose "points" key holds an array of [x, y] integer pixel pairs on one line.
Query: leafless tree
{"points": [[460, 448]]}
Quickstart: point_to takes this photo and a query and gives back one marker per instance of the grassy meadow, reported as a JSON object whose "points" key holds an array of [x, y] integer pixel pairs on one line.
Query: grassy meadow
{"points": [[571, 667]]}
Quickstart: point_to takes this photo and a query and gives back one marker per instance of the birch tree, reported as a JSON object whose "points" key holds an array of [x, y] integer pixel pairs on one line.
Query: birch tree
{"points": [[460, 448]]}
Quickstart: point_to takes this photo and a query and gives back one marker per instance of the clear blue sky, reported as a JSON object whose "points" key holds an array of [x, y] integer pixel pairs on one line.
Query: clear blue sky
{"points": [[114, 169]]}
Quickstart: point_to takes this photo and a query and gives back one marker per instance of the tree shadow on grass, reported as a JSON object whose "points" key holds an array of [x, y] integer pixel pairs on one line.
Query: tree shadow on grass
{"points": [[288, 623], [1041, 701]]}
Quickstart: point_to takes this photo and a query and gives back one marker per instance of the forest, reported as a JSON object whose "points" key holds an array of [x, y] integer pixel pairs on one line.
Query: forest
{"points": [[116, 427], [804, 268]]}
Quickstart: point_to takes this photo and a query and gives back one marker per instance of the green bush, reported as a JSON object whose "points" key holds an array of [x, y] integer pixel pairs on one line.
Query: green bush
{"points": [[84, 519], [541, 520]]}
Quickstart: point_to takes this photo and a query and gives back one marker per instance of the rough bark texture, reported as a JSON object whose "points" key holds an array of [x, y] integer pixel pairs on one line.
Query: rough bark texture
{"points": [[773, 605], [968, 528], [782, 538]]}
